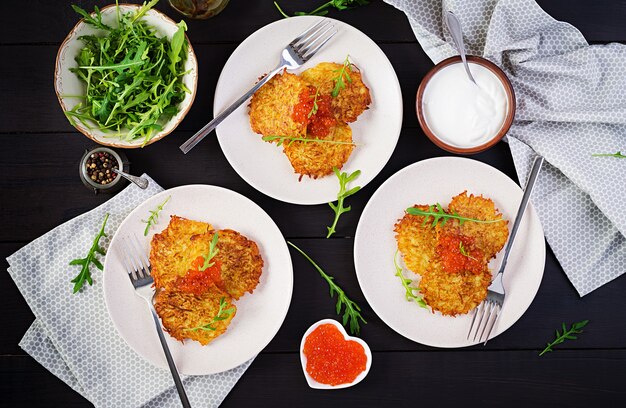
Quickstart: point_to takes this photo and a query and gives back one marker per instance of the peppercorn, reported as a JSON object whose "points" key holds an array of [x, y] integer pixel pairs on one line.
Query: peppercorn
{"points": [[98, 167]]}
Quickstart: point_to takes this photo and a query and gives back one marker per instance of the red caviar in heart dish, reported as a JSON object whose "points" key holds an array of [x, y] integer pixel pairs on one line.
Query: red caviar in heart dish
{"points": [[331, 359]]}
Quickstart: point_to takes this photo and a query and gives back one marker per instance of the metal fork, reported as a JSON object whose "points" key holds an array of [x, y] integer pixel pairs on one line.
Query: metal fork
{"points": [[490, 309], [296, 53], [138, 269]]}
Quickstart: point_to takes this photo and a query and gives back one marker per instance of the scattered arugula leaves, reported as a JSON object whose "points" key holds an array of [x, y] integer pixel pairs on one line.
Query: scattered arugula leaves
{"points": [[464, 251], [617, 155], [212, 252], [291, 139], [222, 314], [134, 79], [440, 216], [85, 273], [154, 216], [406, 283], [351, 309], [344, 71], [344, 179], [323, 9], [567, 334]]}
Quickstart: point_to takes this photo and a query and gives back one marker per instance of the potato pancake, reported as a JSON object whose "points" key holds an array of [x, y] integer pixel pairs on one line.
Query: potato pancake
{"points": [[352, 100], [416, 242], [241, 262], [454, 293], [489, 238], [173, 250], [315, 159], [272, 106], [184, 313]]}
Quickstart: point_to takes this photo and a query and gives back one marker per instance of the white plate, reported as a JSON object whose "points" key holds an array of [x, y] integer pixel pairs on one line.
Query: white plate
{"points": [[428, 182], [259, 315], [263, 165]]}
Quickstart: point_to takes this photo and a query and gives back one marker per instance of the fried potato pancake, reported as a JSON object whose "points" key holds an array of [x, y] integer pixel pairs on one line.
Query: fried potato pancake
{"points": [[454, 293], [489, 238], [351, 100], [416, 242], [315, 159], [173, 250], [182, 312], [241, 262], [272, 106]]}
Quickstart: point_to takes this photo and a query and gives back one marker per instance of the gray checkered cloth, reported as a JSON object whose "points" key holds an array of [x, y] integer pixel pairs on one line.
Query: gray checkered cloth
{"points": [[73, 336], [570, 104]]}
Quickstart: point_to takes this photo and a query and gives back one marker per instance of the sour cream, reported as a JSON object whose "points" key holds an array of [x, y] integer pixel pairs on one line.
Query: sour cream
{"points": [[460, 113]]}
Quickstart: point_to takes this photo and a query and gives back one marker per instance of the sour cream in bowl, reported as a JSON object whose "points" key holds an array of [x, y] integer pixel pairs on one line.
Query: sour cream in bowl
{"points": [[460, 116]]}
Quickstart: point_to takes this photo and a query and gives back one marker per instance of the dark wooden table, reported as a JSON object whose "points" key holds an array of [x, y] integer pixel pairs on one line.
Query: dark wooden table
{"points": [[40, 189]]}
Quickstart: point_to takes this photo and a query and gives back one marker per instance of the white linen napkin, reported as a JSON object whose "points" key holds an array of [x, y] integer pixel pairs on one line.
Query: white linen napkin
{"points": [[570, 105], [73, 336]]}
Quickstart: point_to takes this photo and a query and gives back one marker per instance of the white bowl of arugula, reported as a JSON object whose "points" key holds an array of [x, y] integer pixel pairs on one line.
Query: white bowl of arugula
{"points": [[126, 75]]}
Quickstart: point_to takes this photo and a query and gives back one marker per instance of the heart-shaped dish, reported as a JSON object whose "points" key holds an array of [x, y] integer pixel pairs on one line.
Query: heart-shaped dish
{"points": [[317, 385]]}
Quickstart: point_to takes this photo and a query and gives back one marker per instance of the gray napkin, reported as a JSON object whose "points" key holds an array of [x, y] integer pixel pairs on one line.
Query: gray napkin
{"points": [[73, 336], [570, 104]]}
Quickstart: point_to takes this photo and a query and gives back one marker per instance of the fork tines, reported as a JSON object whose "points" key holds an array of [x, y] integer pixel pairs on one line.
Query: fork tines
{"points": [[136, 262], [487, 313], [315, 37]]}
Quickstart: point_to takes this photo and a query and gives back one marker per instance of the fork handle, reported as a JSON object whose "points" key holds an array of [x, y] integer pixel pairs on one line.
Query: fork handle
{"points": [[170, 361], [208, 128]]}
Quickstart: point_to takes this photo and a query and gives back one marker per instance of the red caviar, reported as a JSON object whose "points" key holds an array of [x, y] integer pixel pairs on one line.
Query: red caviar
{"points": [[449, 248], [196, 281], [302, 109], [331, 359], [322, 120]]}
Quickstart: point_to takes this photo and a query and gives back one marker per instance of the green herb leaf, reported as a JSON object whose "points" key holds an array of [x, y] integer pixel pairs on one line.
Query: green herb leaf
{"points": [[462, 249], [406, 283], [344, 71], [315, 107], [567, 334], [222, 314], [154, 216], [291, 139], [323, 9], [212, 252], [352, 310], [94, 21], [344, 179], [440, 216], [617, 155], [85, 273]]}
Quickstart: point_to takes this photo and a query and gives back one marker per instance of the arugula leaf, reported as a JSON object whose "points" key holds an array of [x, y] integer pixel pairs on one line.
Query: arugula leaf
{"points": [[323, 9], [281, 140], [222, 314], [617, 155], [85, 273], [154, 216], [440, 216], [566, 334], [352, 311], [212, 252], [406, 283], [339, 82], [176, 46], [89, 19], [344, 179]]}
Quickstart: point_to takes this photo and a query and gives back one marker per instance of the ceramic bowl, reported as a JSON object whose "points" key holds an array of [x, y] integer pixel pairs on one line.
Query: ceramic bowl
{"points": [[67, 83], [317, 385], [508, 120]]}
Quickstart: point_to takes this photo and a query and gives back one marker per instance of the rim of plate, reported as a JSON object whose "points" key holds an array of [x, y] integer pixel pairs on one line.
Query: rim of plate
{"points": [[530, 211], [251, 38], [242, 359], [191, 55]]}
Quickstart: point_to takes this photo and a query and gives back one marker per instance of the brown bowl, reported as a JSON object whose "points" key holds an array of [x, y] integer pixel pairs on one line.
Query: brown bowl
{"points": [[508, 120]]}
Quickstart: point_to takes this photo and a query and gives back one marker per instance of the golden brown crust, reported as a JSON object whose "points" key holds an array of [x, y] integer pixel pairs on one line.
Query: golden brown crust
{"points": [[454, 293], [173, 250], [416, 242], [272, 106], [316, 159], [241, 262], [351, 100], [181, 312]]}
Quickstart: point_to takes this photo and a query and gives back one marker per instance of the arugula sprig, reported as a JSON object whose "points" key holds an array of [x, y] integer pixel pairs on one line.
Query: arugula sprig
{"points": [[154, 216], [344, 179], [344, 71], [222, 314], [440, 216], [406, 283], [314, 109], [617, 155], [352, 311], [323, 9], [134, 79], [465, 252], [85, 273], [211, 254], [291, 139], [566, 334]]}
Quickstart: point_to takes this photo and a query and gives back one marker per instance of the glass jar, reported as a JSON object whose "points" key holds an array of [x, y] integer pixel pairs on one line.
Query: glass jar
{"points": [[199, 9]]}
